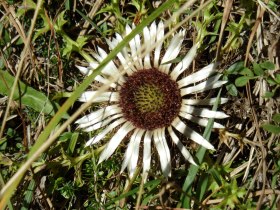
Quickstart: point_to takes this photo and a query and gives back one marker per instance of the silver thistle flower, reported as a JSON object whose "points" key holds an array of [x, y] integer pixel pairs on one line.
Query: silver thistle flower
{"points": [[149, 101]]}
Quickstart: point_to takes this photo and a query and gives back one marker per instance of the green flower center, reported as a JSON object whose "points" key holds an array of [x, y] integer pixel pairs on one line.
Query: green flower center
{"points": [[150, 99]]}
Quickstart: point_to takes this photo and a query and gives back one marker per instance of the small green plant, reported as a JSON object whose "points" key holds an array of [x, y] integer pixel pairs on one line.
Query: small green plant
{"points": [[275, 127], [257, 71]]}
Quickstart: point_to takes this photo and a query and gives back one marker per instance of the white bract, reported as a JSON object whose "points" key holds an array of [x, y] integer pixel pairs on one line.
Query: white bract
{"points": [[150, 100]]}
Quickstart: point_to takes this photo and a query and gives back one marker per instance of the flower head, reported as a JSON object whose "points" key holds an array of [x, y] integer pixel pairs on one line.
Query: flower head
{"points": [[150, 100]]}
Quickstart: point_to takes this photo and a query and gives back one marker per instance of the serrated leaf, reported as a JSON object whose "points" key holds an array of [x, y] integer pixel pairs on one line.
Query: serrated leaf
{"points": [[276, 118], [232, 90], [271, 128], [267, 65], [81, 41], [242, 81], [58, 26], [42, 30], [26, 95], [257, 69]]}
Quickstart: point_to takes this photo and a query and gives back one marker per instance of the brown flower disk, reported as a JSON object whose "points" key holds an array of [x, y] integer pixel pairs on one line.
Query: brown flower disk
{"points": [[165, 107]]}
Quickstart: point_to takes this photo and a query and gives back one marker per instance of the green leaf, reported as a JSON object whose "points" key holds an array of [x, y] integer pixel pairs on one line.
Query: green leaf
{"points": [[257, 69], [26, 5], [72, 143], [29, 194], [268, 94], [277, 78], [232, 90], [202, 186], [67, 4], [267, 65], [271, 128], [42, 30], [246, 72], [73, 45], [242, 81], [26, 95], [58, 26], [91, 22], [271, 81], [235, 68], [215, 174], [276, 118], [81, 41]]}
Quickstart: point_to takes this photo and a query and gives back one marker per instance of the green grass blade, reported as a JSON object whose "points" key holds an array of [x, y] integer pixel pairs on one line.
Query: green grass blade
{"points": [[91, 22], [187, 186], [2, 183]]}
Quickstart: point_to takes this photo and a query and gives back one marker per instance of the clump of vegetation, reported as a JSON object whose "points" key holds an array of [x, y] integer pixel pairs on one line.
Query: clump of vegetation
{"points": [[43, 159]]}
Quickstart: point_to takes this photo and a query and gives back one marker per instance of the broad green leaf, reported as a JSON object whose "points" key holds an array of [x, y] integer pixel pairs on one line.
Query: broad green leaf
{"points": [[271, 81], [242, 81], [267, 65], [26, 95], [268, 94], [257, 69], [246, 72], [235, 68], [276, 118], [67, 4], [277, 78], [232, 90], [271, 128]]}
